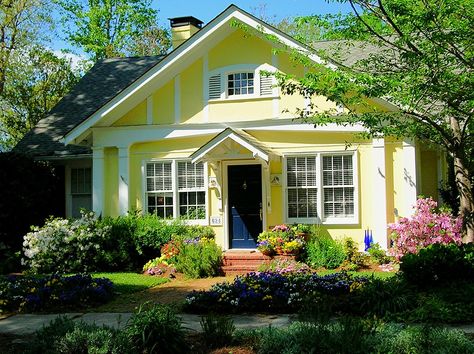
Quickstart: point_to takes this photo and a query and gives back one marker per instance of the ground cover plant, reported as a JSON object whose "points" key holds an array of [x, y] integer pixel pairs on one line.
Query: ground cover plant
{"points": [[270, 292], [29, 294]]}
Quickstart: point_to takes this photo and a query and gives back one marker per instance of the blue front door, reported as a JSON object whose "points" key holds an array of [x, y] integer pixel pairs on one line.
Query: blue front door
{"points": [[245, 205]]}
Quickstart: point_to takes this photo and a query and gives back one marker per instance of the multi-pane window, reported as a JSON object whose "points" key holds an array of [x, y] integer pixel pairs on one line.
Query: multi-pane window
{"points": [[320, 181], [192, 195], [159, 185], [186, 181], [240, 84], [302, 188], [81, 190], [338, 186]]}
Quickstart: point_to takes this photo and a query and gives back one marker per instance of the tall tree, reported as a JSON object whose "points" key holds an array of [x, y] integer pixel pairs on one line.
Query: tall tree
{"points": [[106, 28], [419, 54], [153, 41], [38, 79], [22, 22]]}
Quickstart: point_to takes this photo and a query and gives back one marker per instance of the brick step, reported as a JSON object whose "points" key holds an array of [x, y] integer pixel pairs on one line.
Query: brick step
{"points": [[240, 269], [247, 255], [230, 262]]}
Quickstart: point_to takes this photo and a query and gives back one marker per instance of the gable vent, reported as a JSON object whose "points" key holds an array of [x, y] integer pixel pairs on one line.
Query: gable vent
{"points": [[266, 83], [215, 87]]}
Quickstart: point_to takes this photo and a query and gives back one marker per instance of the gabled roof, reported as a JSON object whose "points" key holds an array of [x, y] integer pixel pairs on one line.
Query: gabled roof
{"points": [[241, 137], [103, 81], [137, 91]]}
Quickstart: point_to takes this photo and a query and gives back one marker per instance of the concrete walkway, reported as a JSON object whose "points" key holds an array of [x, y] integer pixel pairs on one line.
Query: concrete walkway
{"points": [[28, 323]]}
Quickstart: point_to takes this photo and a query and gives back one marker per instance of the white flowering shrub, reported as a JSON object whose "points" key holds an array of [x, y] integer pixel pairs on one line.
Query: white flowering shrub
{"points": [[65, 245]]}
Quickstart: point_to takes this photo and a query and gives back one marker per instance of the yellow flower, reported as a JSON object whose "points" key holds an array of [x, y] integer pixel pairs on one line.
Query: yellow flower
{"points": [[267, 297]]}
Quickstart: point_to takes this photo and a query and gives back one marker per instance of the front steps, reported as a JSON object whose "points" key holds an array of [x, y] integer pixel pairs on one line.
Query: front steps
{"points": [[242, 262]]}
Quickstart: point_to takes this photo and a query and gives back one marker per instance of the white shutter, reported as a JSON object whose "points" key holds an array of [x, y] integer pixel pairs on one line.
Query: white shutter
{"points": [[215, 89], [266, 83]]}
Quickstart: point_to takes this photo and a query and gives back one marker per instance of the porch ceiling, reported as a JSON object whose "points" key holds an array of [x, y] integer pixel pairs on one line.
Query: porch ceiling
{"points": [[229, 141]]}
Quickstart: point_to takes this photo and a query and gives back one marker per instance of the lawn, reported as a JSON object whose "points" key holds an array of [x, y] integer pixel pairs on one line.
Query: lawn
{"points": [[129, 283]]}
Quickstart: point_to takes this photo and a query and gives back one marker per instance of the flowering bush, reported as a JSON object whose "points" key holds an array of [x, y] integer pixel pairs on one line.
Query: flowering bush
{"points": [[65, 245], [284, 266], [158, 266], [270, 291], [424, 228], [22, 293], [281, 239]]}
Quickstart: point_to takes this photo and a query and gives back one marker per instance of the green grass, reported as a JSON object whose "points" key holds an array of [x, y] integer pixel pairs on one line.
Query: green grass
{"points": [[129, 283]]}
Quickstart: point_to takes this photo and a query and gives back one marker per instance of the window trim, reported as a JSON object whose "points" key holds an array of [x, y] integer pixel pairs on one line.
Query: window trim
{"points": [[175, 190], [354, 220], [67, 183], [236, 69]]}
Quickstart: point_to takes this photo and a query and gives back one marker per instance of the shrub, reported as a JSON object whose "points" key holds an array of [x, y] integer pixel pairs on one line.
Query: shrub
{"points": [[152, 233], [424, 228], [354, 259], [378, 254], [325, 252], [439, 264], [36, 294], [156, 329], [199, 258], [63, 335], [217, 330], [64, 245]]}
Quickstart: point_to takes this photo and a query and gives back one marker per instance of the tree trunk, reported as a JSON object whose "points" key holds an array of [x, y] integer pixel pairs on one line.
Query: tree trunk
{"points": [[466, 200]]}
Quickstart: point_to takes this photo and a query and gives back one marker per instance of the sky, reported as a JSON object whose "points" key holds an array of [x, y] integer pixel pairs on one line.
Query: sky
{"points": [[206, 10]]}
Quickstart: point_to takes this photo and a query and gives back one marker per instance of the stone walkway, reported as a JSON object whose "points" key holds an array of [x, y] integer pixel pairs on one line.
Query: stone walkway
{"points": [[27, 324]]}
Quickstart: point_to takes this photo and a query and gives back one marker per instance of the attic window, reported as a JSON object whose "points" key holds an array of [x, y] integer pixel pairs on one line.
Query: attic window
{"points": [[240, 84]]}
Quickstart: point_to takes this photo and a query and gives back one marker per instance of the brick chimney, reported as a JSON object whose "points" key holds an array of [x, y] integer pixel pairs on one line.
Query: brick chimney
{"points": [[182, 28]]}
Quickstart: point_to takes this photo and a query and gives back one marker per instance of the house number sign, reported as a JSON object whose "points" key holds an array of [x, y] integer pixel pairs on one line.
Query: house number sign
{"points": [[216, 220]]}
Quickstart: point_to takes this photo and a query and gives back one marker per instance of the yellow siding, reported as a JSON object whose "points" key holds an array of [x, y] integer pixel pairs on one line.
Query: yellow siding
{"points": [[240, 110], [429, 174], [240, 48], [136, 116], [163, 104], [192, 93], [111, 182], [398, 180]]}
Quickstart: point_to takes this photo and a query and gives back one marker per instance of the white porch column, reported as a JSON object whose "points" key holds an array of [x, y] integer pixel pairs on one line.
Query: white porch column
{"points": [[97, 180], [410, 185], [123, 179], [379, 194]]}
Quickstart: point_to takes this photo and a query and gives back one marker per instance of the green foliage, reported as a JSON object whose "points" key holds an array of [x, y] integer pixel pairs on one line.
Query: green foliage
{"points": [[325, 252], [156, 329], [37, 81], [151, 233], [378, 254], [63, 335], [217, 330], [429, 43], [356, 336], [106, 28], [199, 258], [439, 264], [381, 297]]}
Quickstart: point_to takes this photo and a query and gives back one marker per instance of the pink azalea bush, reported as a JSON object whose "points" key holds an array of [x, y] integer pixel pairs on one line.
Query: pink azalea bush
{"points": [[424, 228]]}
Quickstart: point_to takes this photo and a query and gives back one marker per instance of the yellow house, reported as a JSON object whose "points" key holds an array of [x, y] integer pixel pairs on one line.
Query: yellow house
{"points": [[201, 134]]}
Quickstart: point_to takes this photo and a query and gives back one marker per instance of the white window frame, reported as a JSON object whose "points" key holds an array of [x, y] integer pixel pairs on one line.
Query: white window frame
{"points": [[175, 189], [67, 182], [319, 185], [236, 69]]}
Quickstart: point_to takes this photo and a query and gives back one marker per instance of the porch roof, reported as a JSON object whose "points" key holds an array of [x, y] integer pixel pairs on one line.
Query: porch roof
{"points": [[242, 138]]}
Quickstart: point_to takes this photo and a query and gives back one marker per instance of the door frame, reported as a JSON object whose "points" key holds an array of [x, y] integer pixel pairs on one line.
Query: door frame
{"points": [[225, 196]]}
